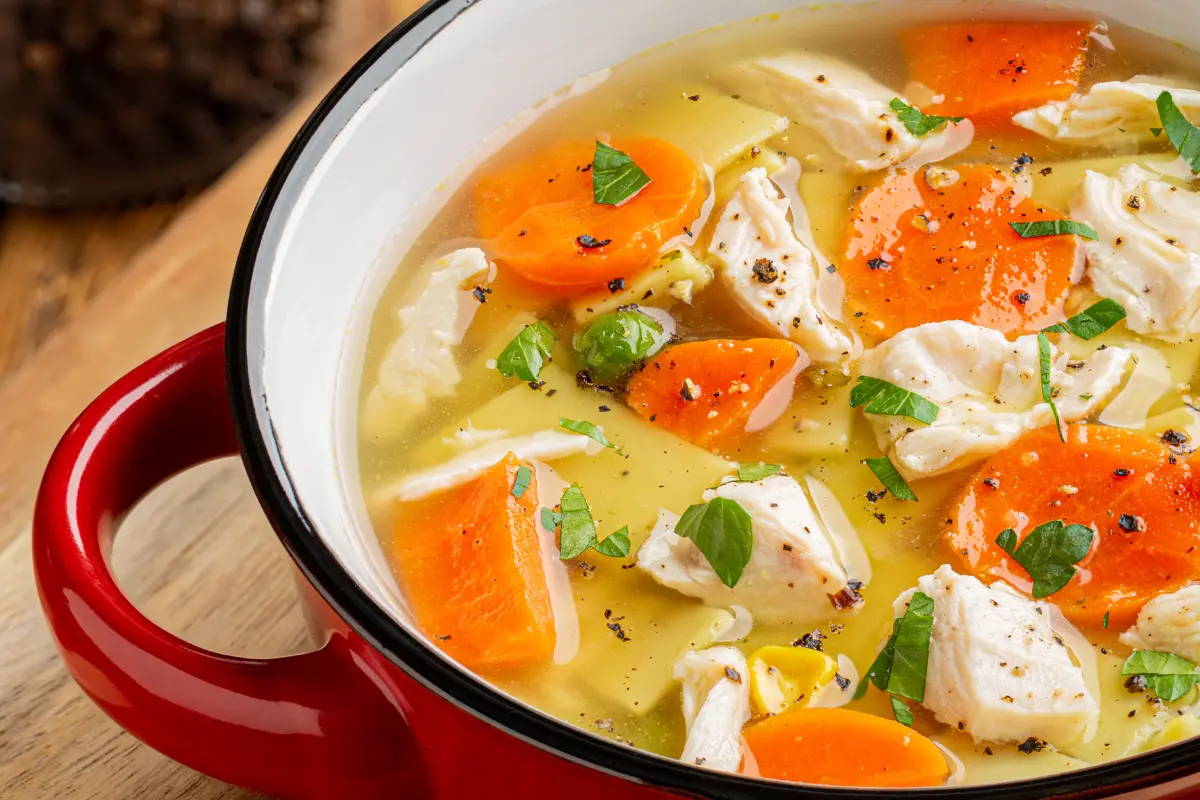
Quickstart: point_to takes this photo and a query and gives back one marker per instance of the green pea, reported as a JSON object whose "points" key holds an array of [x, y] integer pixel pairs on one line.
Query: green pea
{"points": [[615, 342]]}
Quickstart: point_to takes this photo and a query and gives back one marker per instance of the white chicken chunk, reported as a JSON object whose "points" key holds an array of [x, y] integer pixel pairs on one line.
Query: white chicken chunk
{"points": [[987, 389], [848, 108], [997, 668], [716, 704], [1110, 113], [1148, 254], [795, 572], [772, 273], [1170, 623]]}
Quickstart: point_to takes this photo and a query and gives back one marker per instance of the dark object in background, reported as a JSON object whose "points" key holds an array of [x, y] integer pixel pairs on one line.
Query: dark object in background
{"points": [[105, 101]]}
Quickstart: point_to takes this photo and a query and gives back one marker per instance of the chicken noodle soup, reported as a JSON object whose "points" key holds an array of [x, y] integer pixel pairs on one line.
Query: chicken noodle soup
{"points": [[818, 385]]}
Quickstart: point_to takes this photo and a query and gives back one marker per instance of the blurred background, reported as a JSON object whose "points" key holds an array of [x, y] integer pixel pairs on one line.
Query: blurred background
{"points": [[115, 115]]}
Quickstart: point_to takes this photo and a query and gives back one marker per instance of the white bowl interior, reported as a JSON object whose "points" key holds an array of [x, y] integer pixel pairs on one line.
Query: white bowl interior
{"points": [[357, 204]]}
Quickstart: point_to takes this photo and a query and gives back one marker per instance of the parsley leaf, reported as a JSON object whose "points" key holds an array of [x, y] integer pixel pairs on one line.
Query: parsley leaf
{"points": [[588, 429], [525, 355], [613, 344], [1052, 227], [910, 650], [615, 545], [550, 519], [892, 480], [722, 530], [615, 178], [1044, 365], [1104, 622], [1049, 553], [1169, 676], [901, 712], [1092, 321], [749, 473], [881, 667], [1184, 136], [577, 528], [918, 123], [887, 399], [1156, 132], [521, 483]]}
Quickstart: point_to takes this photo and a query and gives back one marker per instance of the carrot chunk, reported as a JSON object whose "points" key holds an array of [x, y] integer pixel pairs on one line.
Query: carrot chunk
{"points": [[544, 224], [470, 563], [706, 391], [1142, 501], [914, 254], [839, 747], [990, 71]]}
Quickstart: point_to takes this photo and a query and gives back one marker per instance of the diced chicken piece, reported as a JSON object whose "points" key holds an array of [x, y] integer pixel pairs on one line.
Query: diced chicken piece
{"points": [[1110, 113], [997, 668], [1148, 255], [795, 573], [675, 277], [987, 388], [844, 105], [1170, 623], [716, 704], [540, 446], [420, 363], [772, 273]]}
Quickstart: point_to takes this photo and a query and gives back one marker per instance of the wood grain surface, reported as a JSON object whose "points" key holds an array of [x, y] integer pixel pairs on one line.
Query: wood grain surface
{"points": [[197, 556]]}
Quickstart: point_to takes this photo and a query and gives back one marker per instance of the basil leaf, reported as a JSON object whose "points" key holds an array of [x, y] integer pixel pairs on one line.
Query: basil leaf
{"points": [[613, 344], [722, 530], [1169, 676], [588, 429], [881, 667], [1184, 136], [910, 652], [1091, 322], [525, 355], [892, 480], [521, 483], [1049, 553], [750, 473], [550, 519], [1156, 132], [918, 123], [615, 178], [577, 528], [1052, 227], [887, 399], [615, 544], [901, 712], [1044, 365]]}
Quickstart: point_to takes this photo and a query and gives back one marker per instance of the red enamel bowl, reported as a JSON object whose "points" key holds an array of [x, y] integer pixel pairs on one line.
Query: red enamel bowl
{"points": [[376, 712]]}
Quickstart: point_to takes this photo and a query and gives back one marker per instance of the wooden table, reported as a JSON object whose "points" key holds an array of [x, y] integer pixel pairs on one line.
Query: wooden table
{"points": [[83, 298]]}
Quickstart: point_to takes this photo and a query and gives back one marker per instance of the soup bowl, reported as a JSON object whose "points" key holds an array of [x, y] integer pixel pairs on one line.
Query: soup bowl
{"points": [[377, 710]]}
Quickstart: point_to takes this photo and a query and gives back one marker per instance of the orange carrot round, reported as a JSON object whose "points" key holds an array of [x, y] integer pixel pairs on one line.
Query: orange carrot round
{"points": [[1142, 501], [915, 254], [706, 391], [990, 71], [839, 747], [538, 213], [470, 563]]}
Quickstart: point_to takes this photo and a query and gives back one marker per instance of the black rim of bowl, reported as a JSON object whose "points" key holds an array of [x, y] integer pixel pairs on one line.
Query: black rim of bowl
{"points": [[264, 463]]}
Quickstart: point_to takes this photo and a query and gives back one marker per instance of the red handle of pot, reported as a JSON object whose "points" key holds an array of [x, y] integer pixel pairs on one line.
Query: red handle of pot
{"points": [[312, 725]]}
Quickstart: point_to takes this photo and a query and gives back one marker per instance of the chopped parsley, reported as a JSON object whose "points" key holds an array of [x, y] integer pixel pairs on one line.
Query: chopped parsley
{"points": [[1091, 322], [1169, 676], [588, 429], [550, 519], [749, 473], [1104, 622], [1052, 227], [887, 399], [615, 545], [892, 480], [577, 529], [901, 666], [917, 122], [615, 178], [723, 532], [1184, 136], [1049, 553], [1044, 365], [521, 482], [525, 355]]}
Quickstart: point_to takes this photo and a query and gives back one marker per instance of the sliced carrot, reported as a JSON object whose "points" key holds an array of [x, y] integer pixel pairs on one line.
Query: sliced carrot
{"points": [[916, 254], [990, 71], [1142, 501], [726, 380], [535, 211], [840, 747], [470, 563]]}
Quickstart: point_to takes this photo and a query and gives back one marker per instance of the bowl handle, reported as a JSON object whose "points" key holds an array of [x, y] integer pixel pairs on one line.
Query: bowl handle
{"points": [[310, 725]]}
